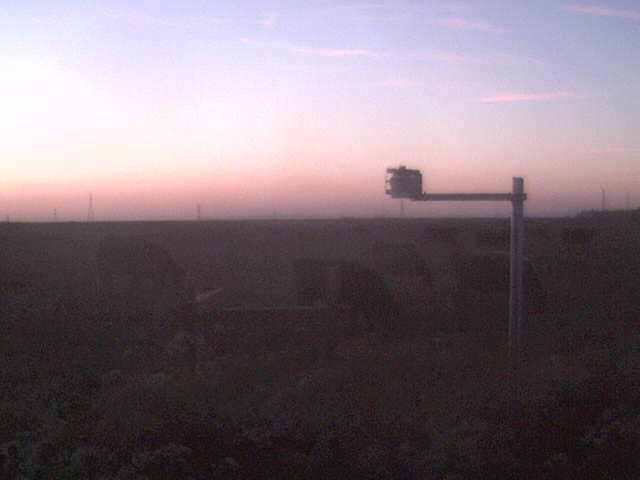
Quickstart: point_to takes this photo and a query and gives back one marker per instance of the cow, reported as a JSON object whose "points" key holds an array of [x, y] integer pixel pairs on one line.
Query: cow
{"points": [[481, 289], [137, 263], [493, 238], [367, 294], [345, 283], [441, 234], [137, 277], [144, 290], [400, 259], [577, 237]]}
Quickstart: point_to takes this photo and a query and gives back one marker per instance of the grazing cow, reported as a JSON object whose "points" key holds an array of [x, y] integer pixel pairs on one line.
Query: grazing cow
{"points": [[400, 259], [482, 287], [367, 294], [444, 235], [139, 280], [577, 236], [493, 238], [137, 263], [312, 277], [139, 277], [346, 283]]}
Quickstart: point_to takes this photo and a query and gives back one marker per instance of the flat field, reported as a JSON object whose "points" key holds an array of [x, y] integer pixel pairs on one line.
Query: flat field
{"points": [[261, 390]]}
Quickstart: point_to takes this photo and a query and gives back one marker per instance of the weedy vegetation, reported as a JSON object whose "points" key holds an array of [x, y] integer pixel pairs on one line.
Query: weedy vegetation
{"points": [[130, 382]]}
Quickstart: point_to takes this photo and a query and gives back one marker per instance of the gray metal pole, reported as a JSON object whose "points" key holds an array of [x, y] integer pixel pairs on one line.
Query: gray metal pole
{"points": [[516, 277], [516, 290]]}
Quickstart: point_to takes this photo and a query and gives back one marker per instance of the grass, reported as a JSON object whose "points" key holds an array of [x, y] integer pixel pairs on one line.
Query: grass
{"points": [[93, 392]]}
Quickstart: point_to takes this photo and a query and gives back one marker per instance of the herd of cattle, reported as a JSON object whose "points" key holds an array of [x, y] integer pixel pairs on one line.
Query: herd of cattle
{"points": [[129, 268]]}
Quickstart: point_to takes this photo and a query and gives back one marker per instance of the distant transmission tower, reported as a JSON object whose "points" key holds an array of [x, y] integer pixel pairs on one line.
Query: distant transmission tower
{"points": [[55, 214], [198, 212], [603, 200], [91, 214]]}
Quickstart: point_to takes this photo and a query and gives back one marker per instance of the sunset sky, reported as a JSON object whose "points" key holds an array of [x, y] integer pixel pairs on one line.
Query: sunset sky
{"points": [[296, 108]]}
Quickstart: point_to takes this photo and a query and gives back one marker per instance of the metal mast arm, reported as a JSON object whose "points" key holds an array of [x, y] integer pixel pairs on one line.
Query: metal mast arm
{"points": [[466, 196]]}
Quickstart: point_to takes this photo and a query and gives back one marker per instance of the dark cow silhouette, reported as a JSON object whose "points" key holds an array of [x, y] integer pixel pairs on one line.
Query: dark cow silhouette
{"points": [[321, 281], [493, 238], [400, 259], [139, 278], [482, 286], [312, 278], [445, 235], [136, 260], [368, 295], [577, 236]]}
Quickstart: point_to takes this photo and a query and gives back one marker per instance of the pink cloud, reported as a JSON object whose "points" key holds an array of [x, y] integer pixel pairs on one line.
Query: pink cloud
{"points": [[270, 20], [321, 52], [464, 24], [490, 59], [615, 150], [526, 97], [605, 11], [376, 12], [334, 52], [394, 83]]}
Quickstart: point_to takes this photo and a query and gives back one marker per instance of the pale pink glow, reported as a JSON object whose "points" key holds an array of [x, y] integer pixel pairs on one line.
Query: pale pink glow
{"points": [[605, 11], [320, 52], [394, 83], [464, 24], [614, 150], [270, 20], [526, 97]]}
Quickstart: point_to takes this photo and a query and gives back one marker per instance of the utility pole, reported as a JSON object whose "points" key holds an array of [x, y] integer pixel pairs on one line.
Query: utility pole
{"points": [[198, 212], [407, 183], [90, 213], [55, 214], [602, 200]]}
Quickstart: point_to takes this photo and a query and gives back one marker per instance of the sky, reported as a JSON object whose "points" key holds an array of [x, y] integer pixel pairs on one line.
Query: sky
{"points": [[296, 109]]}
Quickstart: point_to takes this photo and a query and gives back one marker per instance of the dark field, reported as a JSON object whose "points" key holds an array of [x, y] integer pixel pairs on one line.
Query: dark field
{"points": [[412, 382]]}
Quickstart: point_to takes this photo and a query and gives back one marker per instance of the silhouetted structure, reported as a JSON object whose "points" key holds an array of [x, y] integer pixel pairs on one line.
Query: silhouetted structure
{"points": [[90, 212]]}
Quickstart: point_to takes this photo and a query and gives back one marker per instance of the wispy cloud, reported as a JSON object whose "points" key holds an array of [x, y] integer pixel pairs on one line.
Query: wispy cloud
{"points": [[140, 20], [600, 11], [144, 20], [270, 20], [526, 97], [488, 59], [398, 83], [616, 150], [321, 52], [464, 24], [376, 12]]}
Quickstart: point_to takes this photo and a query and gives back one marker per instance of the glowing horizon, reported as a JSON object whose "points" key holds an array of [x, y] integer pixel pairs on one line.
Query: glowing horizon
{"points": [[251, 108]]}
